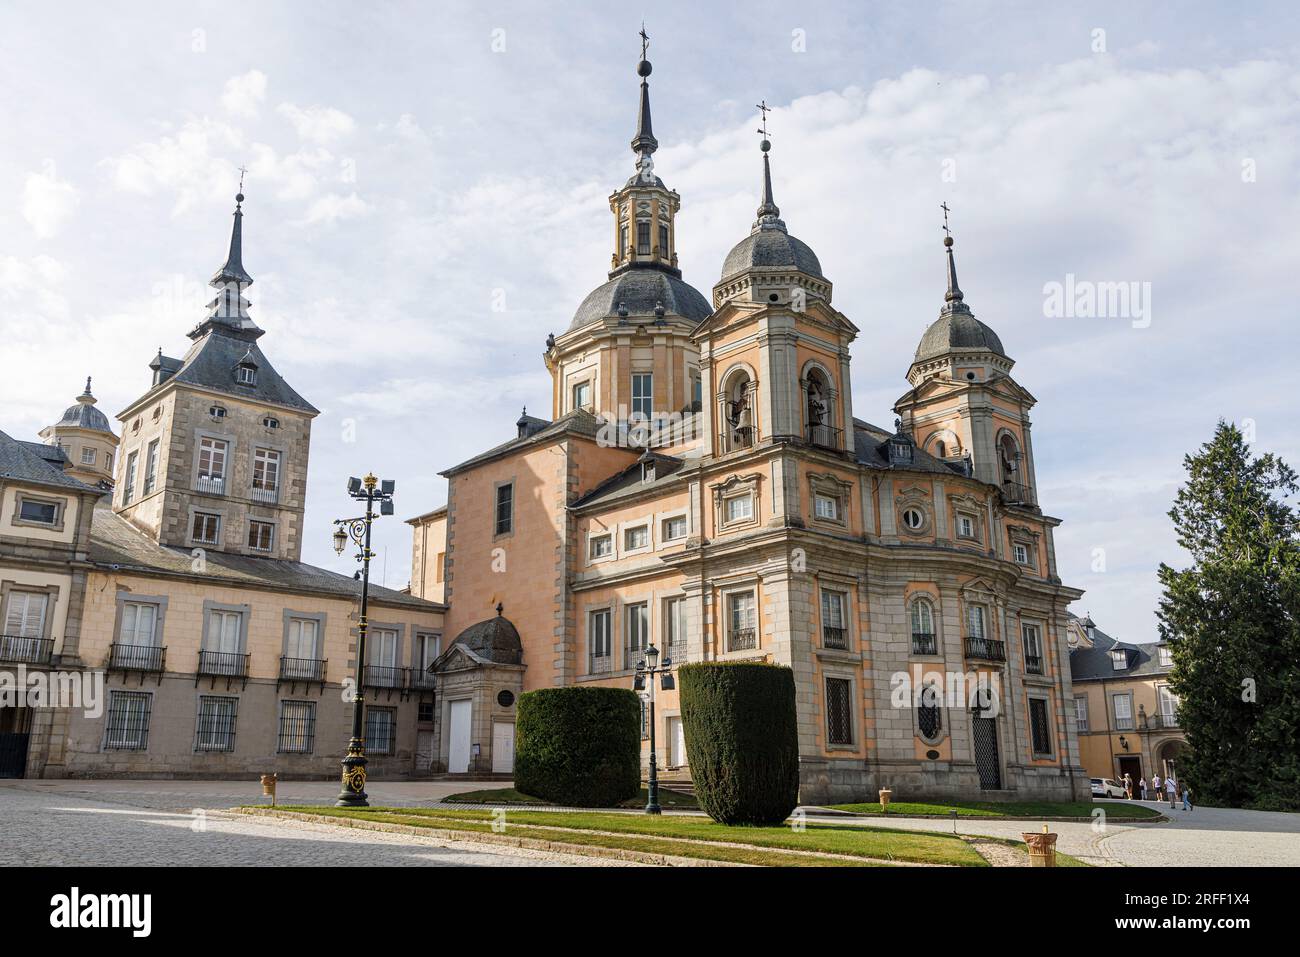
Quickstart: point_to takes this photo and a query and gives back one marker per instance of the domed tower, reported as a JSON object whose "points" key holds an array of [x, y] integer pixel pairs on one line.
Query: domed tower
{"points": [[964, 405], [627, 354], [775, 353], [85, 436]]}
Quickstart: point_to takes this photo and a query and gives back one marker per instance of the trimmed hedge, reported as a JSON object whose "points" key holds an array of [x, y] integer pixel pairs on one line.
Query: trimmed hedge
{"points": [[579, 746], [741, 739]]}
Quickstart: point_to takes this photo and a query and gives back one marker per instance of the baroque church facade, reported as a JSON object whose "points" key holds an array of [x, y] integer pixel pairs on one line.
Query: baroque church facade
{"points": [[703, 485]]}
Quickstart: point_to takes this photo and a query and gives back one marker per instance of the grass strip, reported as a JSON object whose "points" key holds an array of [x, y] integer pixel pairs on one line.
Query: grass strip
{"points": [[1077, 810]]}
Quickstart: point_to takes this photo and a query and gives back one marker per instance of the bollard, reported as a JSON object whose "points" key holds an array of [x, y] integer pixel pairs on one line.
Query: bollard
{"points": [[884, 800], [1042, 848], [268, 786]]}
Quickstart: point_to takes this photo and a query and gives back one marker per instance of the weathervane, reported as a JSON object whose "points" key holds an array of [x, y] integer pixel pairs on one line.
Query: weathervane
{"points": [[240, 197], [763, 108], [645, 39], [947, 233]]}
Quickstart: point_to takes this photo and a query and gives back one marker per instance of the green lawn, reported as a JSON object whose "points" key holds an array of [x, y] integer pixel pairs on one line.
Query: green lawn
{"points": [[511, 796], [685, 836], [994, 809]]}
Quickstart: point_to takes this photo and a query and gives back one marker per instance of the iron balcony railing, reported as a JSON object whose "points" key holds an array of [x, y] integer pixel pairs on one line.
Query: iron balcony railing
{"points": [[601, 664], [742, 639], [824, 435], [1034, 664], [124, 657], [422, 679], [26, 651], [384, 676], [210, 484], [833, 637], [223, 664], [269, 494], [302, 669], [924, 643], [1158, 722], [677, 651], [986, 649], [737, 438], [1016, 493]]}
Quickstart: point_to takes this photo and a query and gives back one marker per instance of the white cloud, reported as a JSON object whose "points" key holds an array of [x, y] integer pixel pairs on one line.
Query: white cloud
{"points": [[244, 93], [192, 163], [48, 201], [333, 208], [317, 124]]}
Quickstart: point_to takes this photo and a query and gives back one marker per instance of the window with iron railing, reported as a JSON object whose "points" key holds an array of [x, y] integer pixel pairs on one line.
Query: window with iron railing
{"points": [[598, 641], [923, 637], [742, 633], [834, 631], [1040, 726], [1033, 649], [215, 728], [297, 727], [839, 713], [126, 727], [381, 730]]}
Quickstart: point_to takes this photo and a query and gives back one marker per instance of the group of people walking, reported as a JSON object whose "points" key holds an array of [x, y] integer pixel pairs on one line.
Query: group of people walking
{"points": [[1171, 790]]}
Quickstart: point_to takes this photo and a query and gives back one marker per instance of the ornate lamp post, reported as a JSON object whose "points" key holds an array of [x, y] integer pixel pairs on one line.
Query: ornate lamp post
{"points": [[370, 490], [646, 669]]}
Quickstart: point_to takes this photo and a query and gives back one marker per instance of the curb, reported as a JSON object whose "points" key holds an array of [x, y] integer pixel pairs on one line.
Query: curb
{"points": [[1158, 819]]}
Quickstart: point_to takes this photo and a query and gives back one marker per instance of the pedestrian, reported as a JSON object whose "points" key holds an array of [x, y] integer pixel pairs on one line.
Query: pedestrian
{"points": [[1128, 786], [1155, 786], [1142, 786], [1187, 798], [1171, 789]]}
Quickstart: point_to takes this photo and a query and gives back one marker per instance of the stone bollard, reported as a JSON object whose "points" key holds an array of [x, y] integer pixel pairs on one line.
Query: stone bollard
{"points": [[884, 800], [268, 786], [1042, 848]]}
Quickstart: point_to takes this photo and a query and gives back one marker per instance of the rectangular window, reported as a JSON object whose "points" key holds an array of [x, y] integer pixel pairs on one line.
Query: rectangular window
{"points": [[638, 630], [642, 395], [1168, 705], [1021, 554], [827, 507], [261, 536], [139, 624], [663, 240], [383, 647], [598, 639], [1081, 712], [1123, 711], [212, 458], [622, 242], [965, 526], [126, 727], [216, 724], [1166, 656], [674, 528], [297, 727], [128, 479], [1040, 726], [381, 729], [207, 528], [440, 567], [839, 711], [224, 637], [675, 627], [87, 456], [1033, 649], [834, 632], [302, 645], [601, 546], [266, 470], [582, 395], [38, 512], [739, 508], [634, 538], [151, 467], [427, 649], [643, 237], [25, 614], [975, 621], [505, 515], [742, 633], [1118, 660]]}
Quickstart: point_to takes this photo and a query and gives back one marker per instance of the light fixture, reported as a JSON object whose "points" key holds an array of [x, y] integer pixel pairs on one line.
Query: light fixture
{"points": [[340, 540], [1123, 742], [354, 485], [638, 681], [651, 656]]}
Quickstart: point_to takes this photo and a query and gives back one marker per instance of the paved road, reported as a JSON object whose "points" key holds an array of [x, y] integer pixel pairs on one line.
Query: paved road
{"points": [[155, 824], [1204, 837]]}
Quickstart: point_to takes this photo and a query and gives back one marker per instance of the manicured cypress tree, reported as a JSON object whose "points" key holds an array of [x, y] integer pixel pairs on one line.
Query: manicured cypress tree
{"points": [[1233, 620], [741, 740], [579, 746]]}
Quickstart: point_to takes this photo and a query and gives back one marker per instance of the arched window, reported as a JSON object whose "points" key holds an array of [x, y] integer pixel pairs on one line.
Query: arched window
{"points": [[923, 638], [738, 410], [818, 411], [929, 713], [1009, 458]]}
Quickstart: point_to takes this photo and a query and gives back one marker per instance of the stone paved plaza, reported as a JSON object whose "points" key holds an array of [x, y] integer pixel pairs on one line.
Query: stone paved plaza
{"points": [[153, 823]]}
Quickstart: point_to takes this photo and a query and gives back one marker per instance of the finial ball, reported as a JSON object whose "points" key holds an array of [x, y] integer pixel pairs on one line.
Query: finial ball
{"points": [[765, 145], [643, 68], [239, 197], [947, 240]]}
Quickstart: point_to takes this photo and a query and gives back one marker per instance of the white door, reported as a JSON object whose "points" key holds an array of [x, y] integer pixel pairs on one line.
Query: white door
{"points": [[503, 747], [458, 758], [676, 743]]}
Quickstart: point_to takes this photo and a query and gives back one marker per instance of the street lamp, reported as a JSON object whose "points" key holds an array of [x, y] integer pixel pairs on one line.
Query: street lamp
{"points": [[646, 670], [369, 490]]}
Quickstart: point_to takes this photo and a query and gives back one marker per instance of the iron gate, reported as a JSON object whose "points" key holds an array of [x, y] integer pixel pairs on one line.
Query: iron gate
{"points": [[13, 755], [986, 753]]}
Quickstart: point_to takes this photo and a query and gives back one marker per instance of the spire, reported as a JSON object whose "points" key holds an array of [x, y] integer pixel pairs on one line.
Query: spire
{"points": [[233, 270], [644, 143], [952, 300], [87, 392], [230, 309], [769, 214]]}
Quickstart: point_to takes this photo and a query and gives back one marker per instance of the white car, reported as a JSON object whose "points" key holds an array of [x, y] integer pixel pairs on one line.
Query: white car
{"points": [[1107, 788]]}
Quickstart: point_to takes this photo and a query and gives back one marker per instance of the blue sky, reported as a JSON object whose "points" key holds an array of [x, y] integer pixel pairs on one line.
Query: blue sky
{"points": [[412, 165]]}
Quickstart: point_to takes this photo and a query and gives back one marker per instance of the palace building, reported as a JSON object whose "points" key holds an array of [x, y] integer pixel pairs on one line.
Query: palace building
{"points": [[703, 484], [168, 564]]}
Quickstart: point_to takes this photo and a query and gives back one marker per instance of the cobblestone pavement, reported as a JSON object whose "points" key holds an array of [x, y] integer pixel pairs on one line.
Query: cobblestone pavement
{"points": [[153, 824], [1204, 837]]}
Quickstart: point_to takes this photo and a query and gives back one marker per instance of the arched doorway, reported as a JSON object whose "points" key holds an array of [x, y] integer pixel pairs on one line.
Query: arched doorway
{"points": [[1167, 755]]}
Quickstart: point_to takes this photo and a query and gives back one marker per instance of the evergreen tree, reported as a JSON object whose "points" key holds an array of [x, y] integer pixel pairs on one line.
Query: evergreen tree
{"points": [[1232, 617]]}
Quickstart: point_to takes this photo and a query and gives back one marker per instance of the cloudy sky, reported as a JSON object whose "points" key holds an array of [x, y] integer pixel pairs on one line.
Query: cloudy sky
{"points": [[426, 201]]}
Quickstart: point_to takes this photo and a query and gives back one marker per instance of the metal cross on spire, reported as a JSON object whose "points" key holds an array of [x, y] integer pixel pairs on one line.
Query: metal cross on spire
{"points": [[764, 109], [946, 231], [645, 40]]}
